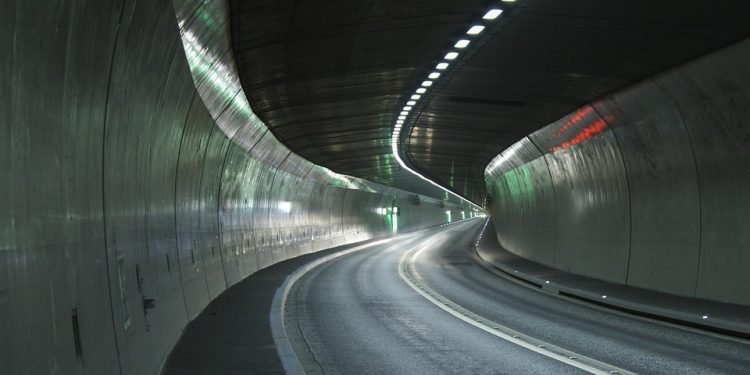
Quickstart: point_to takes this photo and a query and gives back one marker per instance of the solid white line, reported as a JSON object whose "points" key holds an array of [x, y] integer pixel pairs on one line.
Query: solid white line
{"points": [[411, 277], [288, 357]]}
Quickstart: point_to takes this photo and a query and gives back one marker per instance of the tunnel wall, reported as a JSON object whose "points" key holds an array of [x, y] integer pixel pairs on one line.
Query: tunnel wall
{"points": [[138, 185], [646, 187]]}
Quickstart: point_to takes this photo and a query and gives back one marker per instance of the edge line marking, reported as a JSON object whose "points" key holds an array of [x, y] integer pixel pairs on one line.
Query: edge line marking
{"points": [[411, 277]]}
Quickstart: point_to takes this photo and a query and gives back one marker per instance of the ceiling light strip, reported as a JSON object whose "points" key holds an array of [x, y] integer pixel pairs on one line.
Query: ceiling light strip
{"points": [[463, 44]]}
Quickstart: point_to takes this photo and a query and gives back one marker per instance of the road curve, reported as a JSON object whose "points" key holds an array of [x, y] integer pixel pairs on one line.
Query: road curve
{"points": [[356, 314]]}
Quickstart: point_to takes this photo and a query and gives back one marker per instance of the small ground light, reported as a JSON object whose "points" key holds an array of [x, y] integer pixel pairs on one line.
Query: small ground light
{"points": [[604, 297], [492, 14], [705, 317], [475, 30], [546, 282]]}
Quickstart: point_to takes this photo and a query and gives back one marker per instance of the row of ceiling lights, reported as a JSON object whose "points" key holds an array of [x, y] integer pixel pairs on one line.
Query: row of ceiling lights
{"points": [[450, 57]]}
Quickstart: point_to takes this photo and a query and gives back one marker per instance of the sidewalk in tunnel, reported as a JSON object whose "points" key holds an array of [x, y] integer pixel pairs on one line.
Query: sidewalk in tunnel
{"points": [[232, 335], [724, 318]]}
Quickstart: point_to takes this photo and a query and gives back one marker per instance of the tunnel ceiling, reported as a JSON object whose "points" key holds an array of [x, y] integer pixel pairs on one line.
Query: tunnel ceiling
{"points": [[328, 77]]}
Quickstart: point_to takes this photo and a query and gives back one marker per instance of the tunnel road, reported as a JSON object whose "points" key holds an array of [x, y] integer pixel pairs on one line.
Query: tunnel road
{"points": [[421, 304]]}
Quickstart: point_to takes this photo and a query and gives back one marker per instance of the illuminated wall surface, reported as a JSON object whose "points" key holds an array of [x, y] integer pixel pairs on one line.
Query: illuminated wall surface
{"points": [[648, 187], [138, 184]]}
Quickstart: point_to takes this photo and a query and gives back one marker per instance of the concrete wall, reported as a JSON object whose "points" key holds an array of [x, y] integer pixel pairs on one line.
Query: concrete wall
{"points": [[647, 187], [138, 184]]}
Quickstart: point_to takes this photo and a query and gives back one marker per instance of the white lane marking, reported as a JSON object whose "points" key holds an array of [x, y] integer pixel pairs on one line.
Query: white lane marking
{"points": [[289, 359], [409, 274]]}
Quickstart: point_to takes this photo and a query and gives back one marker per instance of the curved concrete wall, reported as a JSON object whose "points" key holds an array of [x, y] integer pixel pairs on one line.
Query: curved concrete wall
{"points": [[647, 187], [138, 185]]}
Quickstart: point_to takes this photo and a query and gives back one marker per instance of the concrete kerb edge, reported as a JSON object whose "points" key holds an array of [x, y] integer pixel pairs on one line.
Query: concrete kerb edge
{"points": [[688, 320]]}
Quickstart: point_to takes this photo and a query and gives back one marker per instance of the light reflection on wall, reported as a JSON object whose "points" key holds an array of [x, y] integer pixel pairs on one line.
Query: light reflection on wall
{"points": [[586, 121], [285, 207], [576, 118], [217, 82], [521, 184], [587, 133]]}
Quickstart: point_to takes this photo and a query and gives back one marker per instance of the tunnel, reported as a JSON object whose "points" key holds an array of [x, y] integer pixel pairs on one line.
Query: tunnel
{"points": [[374, 186]]}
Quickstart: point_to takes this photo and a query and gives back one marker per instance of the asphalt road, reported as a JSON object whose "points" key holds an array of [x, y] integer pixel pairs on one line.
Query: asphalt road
{"points": [[357, 315]]}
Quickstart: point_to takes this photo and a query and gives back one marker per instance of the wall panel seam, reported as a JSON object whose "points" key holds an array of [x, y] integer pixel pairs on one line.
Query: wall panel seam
{"points": [[630, 195], [174, 204], [104, 190]]}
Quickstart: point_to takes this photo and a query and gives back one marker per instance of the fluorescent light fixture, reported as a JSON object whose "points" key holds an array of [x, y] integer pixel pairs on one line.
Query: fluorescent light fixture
{"points": [[451, 55], [442, 66], [427, 83], [421, 90], [416, 97], [402, 117], [411, 102], [492, 14], [407, 108], [433, 75], [475, 30], [399, 121], [462, 43], [404, 113]]}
